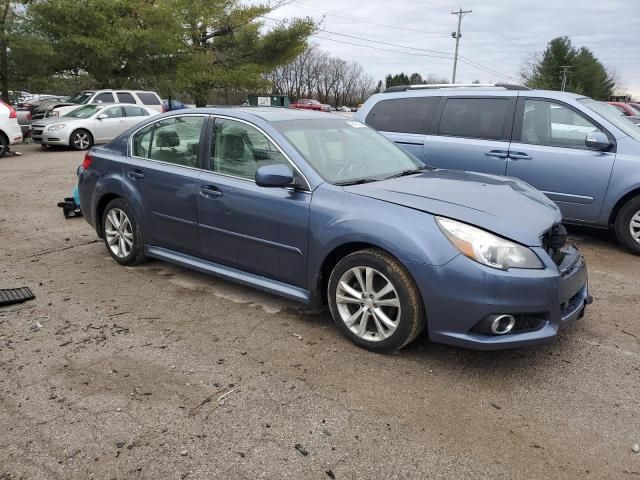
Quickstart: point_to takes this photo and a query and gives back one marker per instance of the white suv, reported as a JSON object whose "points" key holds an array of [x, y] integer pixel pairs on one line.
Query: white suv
{"points": [[10, 131], [138, 97]]}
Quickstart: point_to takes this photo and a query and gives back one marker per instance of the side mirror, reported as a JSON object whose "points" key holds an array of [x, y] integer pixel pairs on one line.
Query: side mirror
{"points": [[277, 175], [102, 116], [597, 141]]}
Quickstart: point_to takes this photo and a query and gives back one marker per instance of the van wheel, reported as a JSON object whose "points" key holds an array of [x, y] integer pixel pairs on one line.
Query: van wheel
{"points": [[122, 233], [628, 225], [81, 140], [374, 301]]}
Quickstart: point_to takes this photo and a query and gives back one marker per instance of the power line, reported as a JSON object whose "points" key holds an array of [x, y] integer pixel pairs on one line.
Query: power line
{"points": [[460, 13]]}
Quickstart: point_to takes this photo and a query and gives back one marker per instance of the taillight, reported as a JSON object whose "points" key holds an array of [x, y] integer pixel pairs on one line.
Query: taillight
{"points": [[29, 116], [12, 111], [86, 163], [164, 109]]}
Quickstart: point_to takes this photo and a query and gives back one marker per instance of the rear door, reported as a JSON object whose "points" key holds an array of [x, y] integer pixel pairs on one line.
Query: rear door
{"points": [[472, 133], [405, 121], [548, 152]]}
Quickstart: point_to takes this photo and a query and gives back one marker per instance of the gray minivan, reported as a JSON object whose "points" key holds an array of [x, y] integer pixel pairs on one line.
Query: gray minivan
{"points": [[580, 152]]}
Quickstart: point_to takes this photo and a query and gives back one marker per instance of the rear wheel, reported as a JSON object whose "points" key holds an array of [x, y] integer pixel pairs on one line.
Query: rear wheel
{"points": [[374, 301], [122, 233], [4, 145], [628, 225], [81, 140]]}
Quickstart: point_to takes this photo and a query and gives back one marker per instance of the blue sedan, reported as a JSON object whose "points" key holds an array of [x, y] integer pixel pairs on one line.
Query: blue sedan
{"points": [[324, 210]]}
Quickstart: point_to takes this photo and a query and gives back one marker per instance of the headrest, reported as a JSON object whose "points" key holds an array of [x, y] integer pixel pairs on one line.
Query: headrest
{"points": [[167, 138]]}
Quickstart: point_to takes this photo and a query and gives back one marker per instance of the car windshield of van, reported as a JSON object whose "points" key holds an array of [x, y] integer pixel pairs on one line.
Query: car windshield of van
{"points": [[346, 151], [82, 97], [612, 115], [84, 112]]}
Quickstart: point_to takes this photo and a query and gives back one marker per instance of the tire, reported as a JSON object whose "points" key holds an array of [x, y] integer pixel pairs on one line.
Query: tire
{"points": [[628, 225], [44, 147], [125, 244], [81, 139], [4, 145], [398, 325]]}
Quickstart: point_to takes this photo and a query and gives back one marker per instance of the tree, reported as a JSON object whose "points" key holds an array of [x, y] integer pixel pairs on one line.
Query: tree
{"points": [[396, 80], [585, 73], [415, 79]]}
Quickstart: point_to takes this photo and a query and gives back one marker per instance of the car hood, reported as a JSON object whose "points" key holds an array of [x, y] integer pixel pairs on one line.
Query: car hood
{"points": [[53, 120], [505, 206]]}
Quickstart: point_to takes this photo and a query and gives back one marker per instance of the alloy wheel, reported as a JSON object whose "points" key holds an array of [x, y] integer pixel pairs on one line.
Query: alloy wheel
{"points": [[118, 232], [368, 303], [634, 227], [81, 140]]}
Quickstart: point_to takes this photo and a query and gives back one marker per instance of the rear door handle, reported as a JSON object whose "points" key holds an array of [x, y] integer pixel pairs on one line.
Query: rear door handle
{"points": [[497, 154], [210, 191], [135, 174], [519, 156]]}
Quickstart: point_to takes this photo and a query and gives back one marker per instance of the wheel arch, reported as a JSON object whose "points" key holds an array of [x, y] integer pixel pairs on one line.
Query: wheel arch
{"points": [[102, 203], [621, 202]]}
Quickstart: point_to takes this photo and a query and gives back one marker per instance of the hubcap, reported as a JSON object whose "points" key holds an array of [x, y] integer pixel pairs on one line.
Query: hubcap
{"points": [[368, 303], [81, 140], [634, 227], [118, 231]]}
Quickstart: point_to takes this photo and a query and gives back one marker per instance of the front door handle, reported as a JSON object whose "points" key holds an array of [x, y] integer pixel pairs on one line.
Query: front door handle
{"points": [[210, 191], [520, 156], [135, 174], [497, 154]]}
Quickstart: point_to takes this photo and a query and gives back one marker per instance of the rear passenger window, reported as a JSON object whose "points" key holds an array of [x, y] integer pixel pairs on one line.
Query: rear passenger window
{"points": [[176, 140], [104, 97], [135, 112], [125, 97], [403, 115], [142, 142], [481, 118], [148, 98]]}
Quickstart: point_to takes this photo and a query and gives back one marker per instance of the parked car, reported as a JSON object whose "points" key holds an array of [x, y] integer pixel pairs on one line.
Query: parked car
{"points": [[306, 104], [627, 110], [10, 132], [325, 107], [133, 97], [38, 109], [344, 108], [581, 153], [319, 208], [88, 125], [175, 105]]}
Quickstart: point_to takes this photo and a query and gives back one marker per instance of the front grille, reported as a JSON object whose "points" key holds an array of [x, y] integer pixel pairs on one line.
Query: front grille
{"points": [[36, 132], [553, 240]]}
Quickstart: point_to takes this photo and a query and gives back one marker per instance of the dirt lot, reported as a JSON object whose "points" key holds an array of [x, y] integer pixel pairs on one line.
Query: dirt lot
{"points": [[116, 373]]}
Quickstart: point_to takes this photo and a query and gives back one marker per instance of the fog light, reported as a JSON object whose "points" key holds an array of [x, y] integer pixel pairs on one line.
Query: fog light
{"points": [[502, 324]]}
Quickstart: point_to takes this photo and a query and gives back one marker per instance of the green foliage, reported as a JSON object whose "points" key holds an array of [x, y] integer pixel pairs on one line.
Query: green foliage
{"points": [[398, 79], [586, 75]]}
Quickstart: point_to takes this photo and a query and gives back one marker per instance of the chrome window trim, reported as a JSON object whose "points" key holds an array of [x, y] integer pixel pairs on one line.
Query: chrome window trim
{"points": [[214, 116]]}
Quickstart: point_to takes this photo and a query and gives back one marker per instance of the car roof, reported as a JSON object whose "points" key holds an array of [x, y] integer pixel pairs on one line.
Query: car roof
{"points": [[269, 114], [476, 92]]}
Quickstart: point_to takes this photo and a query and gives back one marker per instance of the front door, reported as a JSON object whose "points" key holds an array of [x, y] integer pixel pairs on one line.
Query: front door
{"points": [[108, 124], [256, 229], [164, 168], [548, 152]]}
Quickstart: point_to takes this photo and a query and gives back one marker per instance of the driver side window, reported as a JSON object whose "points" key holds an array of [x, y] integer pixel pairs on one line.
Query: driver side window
{"points": [[238, 149]]}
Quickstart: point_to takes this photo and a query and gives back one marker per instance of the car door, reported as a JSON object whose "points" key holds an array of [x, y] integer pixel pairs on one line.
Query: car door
{"points": [[472, 133], [164, 168], [405, 121], [256, 229], [548, 151], [134, 115], [108, 124]]}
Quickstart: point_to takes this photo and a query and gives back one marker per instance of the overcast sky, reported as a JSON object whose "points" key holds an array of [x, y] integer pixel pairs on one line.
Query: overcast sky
{"points": [[497, 36]]}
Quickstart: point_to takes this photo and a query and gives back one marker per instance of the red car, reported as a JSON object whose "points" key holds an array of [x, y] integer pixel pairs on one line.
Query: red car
{"points": [[627, 109], [307, 104]]}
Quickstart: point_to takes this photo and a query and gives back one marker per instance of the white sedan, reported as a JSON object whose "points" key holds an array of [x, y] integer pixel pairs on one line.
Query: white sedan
{"points": [[88, 125]]}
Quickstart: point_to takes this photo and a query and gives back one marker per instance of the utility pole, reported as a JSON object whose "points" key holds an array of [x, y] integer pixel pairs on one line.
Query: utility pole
{"points": [[565, 71], [460, 13]]}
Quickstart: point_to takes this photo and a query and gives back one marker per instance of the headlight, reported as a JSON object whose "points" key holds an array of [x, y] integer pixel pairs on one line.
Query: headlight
{"points": [[56, 127], [486, 248]]}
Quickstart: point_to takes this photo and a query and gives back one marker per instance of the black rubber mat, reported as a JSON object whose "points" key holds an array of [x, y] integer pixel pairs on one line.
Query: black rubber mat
{"points": [[9, 296]]}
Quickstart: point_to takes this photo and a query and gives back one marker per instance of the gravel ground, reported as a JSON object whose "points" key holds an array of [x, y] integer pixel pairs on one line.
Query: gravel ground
{"points": [[161, 373]]}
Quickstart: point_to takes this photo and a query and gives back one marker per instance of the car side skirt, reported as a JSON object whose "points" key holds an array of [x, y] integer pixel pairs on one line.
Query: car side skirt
{"points": [[229, 273]]}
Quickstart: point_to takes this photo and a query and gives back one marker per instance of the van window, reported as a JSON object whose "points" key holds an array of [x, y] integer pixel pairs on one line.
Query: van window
{"points": [[481, 118], [104, 97], [553, 124], [148, 98], [125, 97], [403, 115]]}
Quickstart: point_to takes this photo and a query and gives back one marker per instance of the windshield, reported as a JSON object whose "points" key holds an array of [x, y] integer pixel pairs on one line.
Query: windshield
{"points": [[344, 151], [84, 112], [611, 114], [82, 97]]}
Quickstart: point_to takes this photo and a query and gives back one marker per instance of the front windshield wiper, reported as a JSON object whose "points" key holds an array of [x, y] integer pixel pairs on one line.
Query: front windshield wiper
{"points": [[357, 181], [410, 171]]}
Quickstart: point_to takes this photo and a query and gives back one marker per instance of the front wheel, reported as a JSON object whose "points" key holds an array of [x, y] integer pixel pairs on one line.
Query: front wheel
{"points": [[628, 225], [81, 140], [122, 233], [374, 301]]}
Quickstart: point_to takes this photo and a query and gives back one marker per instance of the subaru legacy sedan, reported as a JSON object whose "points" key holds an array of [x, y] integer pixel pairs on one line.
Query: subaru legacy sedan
{"points": [[326, 211]]}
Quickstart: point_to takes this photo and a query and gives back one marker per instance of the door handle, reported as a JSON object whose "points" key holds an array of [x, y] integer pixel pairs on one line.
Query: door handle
{"points": [[135, 174], [210, 191], [519, 156], [497, 154]]}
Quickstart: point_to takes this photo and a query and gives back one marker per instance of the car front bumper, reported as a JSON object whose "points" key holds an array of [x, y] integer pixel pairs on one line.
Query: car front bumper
{"points": [[462, 293], [60, 137]]}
